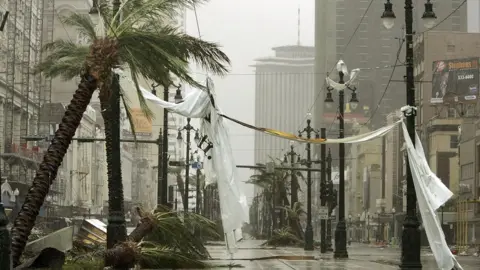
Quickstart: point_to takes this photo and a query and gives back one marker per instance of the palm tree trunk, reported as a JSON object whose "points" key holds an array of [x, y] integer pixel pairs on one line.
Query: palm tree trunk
{"points": [[47, 171], [145, 227], [116, 228]]}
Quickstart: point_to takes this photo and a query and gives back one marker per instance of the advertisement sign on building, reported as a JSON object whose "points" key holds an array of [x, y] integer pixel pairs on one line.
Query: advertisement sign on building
{"points": [[143, 126], [455, 81]]}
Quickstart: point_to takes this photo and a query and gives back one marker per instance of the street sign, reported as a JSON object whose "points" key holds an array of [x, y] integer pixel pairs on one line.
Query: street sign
{"points": [[323, 212], [197, 165]]}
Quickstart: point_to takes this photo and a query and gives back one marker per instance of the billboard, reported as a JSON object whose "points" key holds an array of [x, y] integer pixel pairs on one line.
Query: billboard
{"points": [[455, 81]]}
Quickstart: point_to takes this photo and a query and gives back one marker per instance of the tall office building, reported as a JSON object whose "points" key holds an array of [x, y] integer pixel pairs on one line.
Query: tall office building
{"points": [[473, 16], [284, 92]]}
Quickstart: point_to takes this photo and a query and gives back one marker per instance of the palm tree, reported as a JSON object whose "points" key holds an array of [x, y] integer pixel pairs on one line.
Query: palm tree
{"points": [[275, 190], [274, 187], [143, 43], [293, 215]]}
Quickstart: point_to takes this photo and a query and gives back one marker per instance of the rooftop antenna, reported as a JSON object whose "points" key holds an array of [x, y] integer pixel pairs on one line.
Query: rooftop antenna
{"points": [[298, 26]]}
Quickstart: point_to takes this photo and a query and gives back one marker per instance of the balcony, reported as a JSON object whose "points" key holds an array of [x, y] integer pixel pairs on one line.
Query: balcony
{"points": [[21, 155]]}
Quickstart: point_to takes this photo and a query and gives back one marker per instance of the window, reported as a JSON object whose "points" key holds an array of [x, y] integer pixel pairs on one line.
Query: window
{"points": [[467, 171], [453, 141], [452, 113]]}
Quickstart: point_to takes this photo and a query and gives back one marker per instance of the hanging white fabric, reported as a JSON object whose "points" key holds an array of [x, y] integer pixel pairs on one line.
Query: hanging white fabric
{"points": [[342, 67], [221, 167], [431, 194]]}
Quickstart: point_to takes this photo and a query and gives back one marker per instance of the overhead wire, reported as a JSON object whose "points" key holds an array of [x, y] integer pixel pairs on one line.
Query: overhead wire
{"points": [[345, 49], [387, 85], [398, 60]]}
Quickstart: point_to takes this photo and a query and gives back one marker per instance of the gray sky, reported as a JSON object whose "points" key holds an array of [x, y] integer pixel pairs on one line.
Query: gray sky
{"points": [[248, 29]]}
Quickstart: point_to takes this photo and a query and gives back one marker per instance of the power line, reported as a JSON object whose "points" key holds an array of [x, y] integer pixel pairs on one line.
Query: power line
{"points": [[388, 84], [344, 50]]}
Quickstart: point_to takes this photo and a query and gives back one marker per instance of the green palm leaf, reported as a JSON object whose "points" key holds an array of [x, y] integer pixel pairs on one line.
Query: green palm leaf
{"points": [[145, 44]]}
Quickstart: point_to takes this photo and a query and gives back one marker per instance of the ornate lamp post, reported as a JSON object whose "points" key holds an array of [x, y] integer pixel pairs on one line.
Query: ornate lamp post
{"points": [[340, 232], [309, 131], [163, 152], [394, 229], [411, 233], [187, 128], [290, 155], [331, 197]]}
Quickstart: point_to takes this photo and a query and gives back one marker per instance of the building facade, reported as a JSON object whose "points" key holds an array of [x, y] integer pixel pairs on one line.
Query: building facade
{"points": [[284, 88], [374, 46]]}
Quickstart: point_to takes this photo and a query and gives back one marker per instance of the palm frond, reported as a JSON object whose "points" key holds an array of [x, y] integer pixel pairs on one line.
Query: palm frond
{"points": [[153, 57], [143, 103], [128, 112], [155, 256], [139, 12], [64, 59], [176, 233], [82, 23]]}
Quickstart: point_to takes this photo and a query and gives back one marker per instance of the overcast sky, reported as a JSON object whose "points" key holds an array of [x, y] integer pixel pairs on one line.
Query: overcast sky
{"points": [[248, 29]]}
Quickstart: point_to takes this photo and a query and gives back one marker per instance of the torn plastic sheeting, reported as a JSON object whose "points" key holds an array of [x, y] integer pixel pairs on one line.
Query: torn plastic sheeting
{"points": [[221, 168], [431, 194]]}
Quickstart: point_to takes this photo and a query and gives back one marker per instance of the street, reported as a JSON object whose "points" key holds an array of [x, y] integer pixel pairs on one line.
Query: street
{"points": [[251, 255]]}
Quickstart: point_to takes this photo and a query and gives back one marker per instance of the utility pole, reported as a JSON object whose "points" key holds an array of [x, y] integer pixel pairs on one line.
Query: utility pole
{"points": [[341, 230], [160, 169], [411, 233], [294, 181], [164, 163], [323, 186], [188, 128], [309, 131], [332, 203], [382, 211], [197, 189], [161, 180]]}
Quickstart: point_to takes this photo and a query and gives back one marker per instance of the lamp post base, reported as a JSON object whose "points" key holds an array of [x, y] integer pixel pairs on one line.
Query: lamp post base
{"points": [[411, 244], [341, 241], [308, 238]]}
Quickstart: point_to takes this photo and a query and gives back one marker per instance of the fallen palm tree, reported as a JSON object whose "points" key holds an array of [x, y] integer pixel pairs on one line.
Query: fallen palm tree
{"points": [[163, 239], [283, 237]]}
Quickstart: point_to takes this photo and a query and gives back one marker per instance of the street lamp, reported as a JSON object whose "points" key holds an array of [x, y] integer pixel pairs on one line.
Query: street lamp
{"points": [[178, 95], [350, 227], [394, 225], [378, 236], [429, 17], [188, 128], [293, 181], [340, 231], [309, 131], [331, 198], [410, 258]]}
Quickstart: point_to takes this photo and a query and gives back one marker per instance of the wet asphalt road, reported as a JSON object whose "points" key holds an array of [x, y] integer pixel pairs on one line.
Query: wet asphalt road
{"points": [[251, 256]]}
